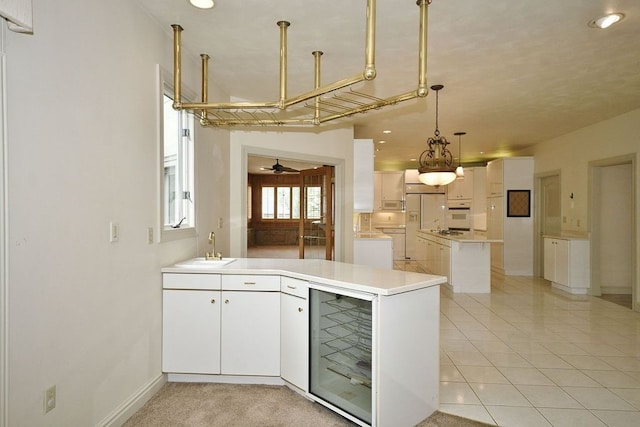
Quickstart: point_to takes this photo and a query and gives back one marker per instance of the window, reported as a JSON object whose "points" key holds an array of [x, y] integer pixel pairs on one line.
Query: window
{"points": [[178, 210], [280, 202]]}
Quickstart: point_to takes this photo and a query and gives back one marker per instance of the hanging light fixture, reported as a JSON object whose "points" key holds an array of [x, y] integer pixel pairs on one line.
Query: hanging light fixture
{"points": [[459, 170], [434, 164]]}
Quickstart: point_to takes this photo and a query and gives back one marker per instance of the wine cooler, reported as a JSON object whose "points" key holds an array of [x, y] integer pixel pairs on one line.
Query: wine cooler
{"points": [[341, 353]]}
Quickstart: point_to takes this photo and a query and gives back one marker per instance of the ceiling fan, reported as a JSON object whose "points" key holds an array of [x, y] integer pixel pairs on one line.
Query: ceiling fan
{"points": [[278, 168]]}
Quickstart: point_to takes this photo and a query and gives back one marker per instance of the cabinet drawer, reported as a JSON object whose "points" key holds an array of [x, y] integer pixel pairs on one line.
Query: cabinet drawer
{"points": [[191, 281], [250, 282], [297, 287]]}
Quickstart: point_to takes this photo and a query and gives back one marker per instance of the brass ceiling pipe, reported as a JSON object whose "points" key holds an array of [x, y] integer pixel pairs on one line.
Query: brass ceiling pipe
{"points": [[370, 49], [204, 121], [283, 63], [373, 106], [177, 66], [316, 83], [422, 48]]}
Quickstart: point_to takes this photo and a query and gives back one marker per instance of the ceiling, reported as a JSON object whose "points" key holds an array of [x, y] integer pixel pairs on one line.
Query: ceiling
{"points": [[515, 73]]}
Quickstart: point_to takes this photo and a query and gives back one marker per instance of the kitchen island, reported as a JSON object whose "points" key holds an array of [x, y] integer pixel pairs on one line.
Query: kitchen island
{"points": [[362, 341], [463, 257]]}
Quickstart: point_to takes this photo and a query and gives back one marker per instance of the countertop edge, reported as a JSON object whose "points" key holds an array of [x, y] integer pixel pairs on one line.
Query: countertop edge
{"points": [[230, 269], [461, 238]]}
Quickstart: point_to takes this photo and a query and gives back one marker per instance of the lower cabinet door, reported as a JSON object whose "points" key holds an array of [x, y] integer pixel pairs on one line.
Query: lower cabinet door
{"points": [[191, 331], [250, 341], [294, 340]]}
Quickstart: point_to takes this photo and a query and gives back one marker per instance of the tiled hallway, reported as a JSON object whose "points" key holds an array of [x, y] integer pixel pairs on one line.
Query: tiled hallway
{"points": [[527, 355]]}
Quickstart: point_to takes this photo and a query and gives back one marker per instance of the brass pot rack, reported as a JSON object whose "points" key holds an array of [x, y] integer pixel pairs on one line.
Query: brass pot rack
{"points": [[344, 102]]}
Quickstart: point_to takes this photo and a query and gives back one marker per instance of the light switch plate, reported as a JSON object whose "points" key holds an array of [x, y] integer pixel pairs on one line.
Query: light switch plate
{"points": [[114, 232]]}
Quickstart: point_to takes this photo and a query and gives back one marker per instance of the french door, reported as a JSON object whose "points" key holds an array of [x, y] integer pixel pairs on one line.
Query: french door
{"points": [[316, 220]]}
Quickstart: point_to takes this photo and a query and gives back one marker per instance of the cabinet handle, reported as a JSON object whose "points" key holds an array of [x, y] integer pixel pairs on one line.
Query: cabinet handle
{"points": [[226, 301], [213, 301], [299, 309], [292, 287], [249, 283]]}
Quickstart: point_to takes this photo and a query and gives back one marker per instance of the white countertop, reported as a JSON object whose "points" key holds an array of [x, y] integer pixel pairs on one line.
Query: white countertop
{"points": [[567, 236], [372, 235], [465, 237], [347, 276]]}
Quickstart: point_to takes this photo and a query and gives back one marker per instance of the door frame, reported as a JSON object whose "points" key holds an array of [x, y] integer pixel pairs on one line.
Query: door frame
{"points": [[593, 219], [538, 248], [339, 177]]}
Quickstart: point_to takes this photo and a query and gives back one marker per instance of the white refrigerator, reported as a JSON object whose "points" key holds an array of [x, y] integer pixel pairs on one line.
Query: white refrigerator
{"points": [[422, 211]]}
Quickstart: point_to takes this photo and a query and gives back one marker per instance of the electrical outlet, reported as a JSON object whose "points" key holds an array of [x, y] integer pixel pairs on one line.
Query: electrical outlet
{"points": [[150, 235], [220, 222], [49, 399], [114, 232]]}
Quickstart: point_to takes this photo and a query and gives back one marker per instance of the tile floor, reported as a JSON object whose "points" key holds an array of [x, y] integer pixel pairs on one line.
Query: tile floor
{"points": [[527, 355]]}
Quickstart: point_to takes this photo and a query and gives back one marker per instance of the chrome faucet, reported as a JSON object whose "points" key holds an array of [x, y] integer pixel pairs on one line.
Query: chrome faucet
{"points": [[213, 255]]}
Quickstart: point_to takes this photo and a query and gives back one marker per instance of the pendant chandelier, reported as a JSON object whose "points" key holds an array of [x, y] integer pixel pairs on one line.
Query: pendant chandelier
{"points": [[434, 164], [459, 169]]}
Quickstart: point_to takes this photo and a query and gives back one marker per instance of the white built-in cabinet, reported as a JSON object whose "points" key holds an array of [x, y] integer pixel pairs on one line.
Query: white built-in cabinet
{"points": [[225, 326], [294, 333], [566, 264], [388, 190], [191, 330], [437, 253], [515, 255], [363, 199], [461, 188]]}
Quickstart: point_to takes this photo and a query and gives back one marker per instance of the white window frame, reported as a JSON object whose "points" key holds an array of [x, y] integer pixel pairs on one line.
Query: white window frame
{"points": [[188, 227]]}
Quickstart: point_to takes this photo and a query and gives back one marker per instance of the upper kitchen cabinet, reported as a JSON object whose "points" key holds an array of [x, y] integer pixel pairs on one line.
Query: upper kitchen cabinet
{"points": [[511, 220], [363, 200], [388, 190], [494, 178], [461, 188]]}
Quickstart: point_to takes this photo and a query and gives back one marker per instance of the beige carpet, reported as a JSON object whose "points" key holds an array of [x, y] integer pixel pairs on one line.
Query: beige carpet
{"points": [[200, 405]]}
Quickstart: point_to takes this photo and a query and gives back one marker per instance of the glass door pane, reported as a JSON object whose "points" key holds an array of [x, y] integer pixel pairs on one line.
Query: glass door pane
{"points": [[340, 352], [316, 221]]}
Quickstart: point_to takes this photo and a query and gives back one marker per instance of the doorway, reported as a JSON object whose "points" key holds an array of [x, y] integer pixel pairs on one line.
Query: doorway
{"points": [[613, 237], [290, 208], [549, 213]]}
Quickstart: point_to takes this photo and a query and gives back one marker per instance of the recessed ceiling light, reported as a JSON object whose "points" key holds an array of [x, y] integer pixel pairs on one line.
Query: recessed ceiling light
{"points": [[606, 21], [386, 131], [382, 141], [413, 160], [202, 4]]}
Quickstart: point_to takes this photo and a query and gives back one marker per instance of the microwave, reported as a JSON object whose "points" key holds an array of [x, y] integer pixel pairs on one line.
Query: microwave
{"points": [[393, 205]]}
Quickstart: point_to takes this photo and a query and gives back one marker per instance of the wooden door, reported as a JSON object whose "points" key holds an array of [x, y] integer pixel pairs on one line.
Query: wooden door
{"points": [[316, 219]]}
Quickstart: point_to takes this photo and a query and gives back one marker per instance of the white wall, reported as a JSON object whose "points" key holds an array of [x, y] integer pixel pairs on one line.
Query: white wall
{"points": [[333, 146], [85, 314], [571, 154]]}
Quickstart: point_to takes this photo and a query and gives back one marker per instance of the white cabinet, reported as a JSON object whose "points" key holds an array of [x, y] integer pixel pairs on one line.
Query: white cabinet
{"points": [[566, 264], [495, 178], [479, 202], [294, 332], [229, 326], [191, 331], [461, 188], [250, 339], [438, 255], [363, 175], [388, 190]]}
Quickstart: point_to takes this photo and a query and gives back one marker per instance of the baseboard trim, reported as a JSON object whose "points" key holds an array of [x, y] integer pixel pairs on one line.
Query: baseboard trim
{"points": [[129, 407], [622, 290], [570, 290], [228, 379]]}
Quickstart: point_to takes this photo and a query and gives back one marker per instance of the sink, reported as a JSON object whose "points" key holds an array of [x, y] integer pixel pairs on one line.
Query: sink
{"points": [[205, 263]]}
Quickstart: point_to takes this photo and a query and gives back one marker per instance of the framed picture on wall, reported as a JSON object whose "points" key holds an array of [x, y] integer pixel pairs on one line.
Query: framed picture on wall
{"points": [[519, 203]]}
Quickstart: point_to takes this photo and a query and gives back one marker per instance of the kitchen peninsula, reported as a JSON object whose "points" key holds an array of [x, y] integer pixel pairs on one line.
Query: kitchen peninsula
{"points": [[362, 341], [463, 257]]}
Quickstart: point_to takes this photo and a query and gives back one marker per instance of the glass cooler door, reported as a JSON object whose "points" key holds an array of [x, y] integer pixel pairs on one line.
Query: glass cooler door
{"points": [[341, 351]]}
